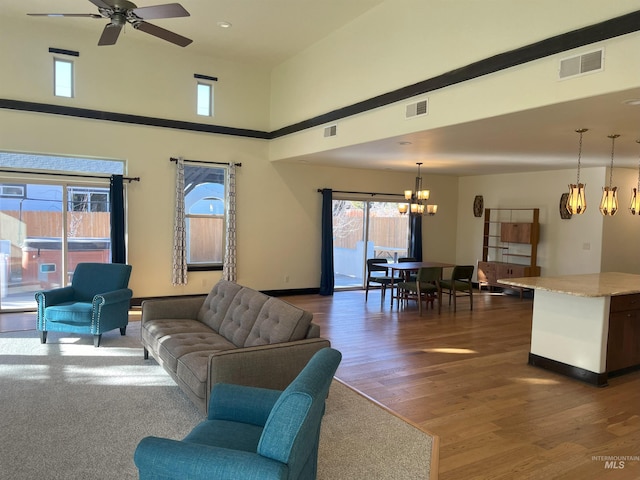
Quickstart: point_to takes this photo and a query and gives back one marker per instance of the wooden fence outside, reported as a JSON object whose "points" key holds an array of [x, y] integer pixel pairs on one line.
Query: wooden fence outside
{"points": [[97, 225], [383, 231]]}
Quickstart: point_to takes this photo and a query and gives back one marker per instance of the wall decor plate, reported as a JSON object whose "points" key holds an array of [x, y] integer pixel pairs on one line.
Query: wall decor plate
{"points": [[564, 213], [478, 206]]}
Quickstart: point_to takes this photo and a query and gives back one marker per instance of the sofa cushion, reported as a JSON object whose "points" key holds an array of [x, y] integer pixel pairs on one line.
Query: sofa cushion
{"points": [[172, 338], [242, 315], [278, 322], [193, 369], [217, 303]]}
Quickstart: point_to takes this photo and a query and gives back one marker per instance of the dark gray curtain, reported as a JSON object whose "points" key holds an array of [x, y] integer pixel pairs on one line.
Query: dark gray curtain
{"points": [[116, 204], [415, 237], [326, 256]]}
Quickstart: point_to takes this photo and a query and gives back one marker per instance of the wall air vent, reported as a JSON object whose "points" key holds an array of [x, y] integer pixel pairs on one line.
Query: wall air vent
{"points": [[416, 109], [581, 64], [330, 131]]}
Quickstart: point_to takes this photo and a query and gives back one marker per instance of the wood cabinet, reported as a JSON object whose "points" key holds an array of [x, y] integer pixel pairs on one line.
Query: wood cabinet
{"points": [[509, 245], [623, 342]]}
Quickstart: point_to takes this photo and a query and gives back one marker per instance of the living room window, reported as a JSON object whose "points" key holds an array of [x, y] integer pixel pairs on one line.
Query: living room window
{"points": [[62, 78], [204, 203], [204, 94], [205, 99]]}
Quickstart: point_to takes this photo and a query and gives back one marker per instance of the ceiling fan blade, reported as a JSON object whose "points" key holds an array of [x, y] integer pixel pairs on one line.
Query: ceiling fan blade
{"points": [[89, 15], [110, 34], [170, 10], [163, 34], [101, 4]]}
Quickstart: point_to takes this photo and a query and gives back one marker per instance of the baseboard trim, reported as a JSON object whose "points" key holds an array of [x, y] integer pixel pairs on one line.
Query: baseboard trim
{"points": [[587, 376]]}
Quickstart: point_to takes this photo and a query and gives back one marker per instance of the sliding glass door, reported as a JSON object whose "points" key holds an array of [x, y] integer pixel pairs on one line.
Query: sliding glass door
{"points": [[48, 226], [362, 230], [45, 231]]}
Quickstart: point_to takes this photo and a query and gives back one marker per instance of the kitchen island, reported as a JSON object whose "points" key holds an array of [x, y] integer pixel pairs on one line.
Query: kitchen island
{"points": [[585, 326]]}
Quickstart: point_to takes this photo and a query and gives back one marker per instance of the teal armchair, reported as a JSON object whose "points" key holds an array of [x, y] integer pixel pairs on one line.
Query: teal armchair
{"points": [[250, 433], [97, 301]]}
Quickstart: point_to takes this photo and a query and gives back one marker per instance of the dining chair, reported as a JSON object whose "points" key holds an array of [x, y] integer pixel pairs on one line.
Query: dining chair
{"points": [[408, 277], [460, 282], [377, 272], [426, 288]]}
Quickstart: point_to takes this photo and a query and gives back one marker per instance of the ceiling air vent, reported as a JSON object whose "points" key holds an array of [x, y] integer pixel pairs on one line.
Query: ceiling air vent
{"points": [[416, 109], [581, 64], [330, 131]]}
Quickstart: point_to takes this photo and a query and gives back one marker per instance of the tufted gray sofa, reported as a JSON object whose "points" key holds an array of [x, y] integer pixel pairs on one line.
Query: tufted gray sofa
{"points": [[232, 335]]}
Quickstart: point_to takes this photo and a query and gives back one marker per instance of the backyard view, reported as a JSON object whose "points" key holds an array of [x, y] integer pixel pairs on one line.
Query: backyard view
{"points": [[362, 230], [41, 243]]}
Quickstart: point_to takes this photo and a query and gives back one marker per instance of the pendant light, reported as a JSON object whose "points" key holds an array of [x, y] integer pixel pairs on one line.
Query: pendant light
{"points": [[609, 203], [577, 202], [635, 195], [417, 199]]}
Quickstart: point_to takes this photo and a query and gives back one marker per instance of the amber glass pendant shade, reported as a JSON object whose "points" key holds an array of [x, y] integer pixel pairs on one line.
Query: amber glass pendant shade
{"points": [[577, 201]]}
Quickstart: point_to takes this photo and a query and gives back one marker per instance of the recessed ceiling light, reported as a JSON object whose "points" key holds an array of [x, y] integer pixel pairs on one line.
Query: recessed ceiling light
{"points": [[632, 101], [404, 143], [224, 24]]}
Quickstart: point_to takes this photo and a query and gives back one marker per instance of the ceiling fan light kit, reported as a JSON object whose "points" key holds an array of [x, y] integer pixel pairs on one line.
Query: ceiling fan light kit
{"points": [[121, 12]]}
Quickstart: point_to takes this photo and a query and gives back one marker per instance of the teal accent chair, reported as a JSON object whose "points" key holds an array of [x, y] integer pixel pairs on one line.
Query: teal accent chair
{"points": [[97, 301], [250, 433]]}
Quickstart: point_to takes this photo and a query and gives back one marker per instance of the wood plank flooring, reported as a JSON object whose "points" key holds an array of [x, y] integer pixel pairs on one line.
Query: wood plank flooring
{"points": [[465, 377]]}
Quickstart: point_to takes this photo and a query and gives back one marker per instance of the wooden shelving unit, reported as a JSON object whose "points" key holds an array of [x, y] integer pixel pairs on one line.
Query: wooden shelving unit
{"points": [[509, 245]]}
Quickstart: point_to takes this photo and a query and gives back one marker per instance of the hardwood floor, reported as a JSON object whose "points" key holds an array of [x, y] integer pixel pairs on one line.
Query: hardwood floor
{"points": [[465, 378]]}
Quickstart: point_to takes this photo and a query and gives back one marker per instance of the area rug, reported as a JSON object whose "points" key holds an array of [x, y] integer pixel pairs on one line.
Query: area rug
{"points": [[72, 411]]}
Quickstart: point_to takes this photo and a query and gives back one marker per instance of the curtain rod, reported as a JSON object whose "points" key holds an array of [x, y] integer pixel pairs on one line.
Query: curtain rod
{"points": [[373, 194], [173, 159], [56, 174]]}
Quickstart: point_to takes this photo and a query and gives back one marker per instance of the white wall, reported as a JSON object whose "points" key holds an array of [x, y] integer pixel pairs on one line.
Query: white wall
{"points": [[585, 243], [402, 42], [278, 204], [621, 233], [137, 76]]}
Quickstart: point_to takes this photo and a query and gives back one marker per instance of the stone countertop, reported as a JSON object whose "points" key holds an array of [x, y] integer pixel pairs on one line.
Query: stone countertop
{"points": [[585, 285]]}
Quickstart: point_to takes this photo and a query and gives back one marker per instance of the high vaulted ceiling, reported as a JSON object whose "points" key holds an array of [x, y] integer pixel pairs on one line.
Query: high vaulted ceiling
{"points": [[268, 32]]}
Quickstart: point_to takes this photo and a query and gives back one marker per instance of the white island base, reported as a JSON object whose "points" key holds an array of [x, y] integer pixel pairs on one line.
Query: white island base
{"points": [[585, 326]]}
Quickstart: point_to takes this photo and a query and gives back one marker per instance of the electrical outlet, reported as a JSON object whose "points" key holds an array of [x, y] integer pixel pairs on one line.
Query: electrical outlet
{"points": [[586, 246]]}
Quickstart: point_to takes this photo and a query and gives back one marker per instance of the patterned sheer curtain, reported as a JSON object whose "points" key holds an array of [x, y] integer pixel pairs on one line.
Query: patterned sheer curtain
{"points": [[179, 275], [229, 271]]}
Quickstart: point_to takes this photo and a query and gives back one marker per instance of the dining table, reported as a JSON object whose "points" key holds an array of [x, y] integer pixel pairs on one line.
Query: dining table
{"points": [[405, 269]]}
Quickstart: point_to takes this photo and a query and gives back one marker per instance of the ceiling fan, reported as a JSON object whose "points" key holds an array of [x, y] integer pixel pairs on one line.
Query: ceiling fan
{"points": [[121, 12]]}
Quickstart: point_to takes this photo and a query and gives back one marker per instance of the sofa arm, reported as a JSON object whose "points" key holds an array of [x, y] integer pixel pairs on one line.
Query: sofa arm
{"points": [[266, 366], [171, 459], [182, 307]]}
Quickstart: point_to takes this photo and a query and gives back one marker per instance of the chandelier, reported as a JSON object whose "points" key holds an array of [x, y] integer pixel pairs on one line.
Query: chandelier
{"points": [[635, 195], [609, 202], [417, 199], [577, 202]]}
